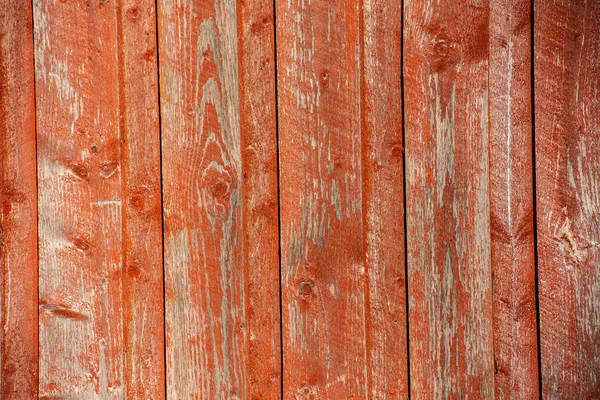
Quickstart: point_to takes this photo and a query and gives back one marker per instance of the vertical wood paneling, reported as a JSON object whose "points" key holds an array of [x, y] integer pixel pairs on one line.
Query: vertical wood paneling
{"points": [[340, 171], [18, 202], [219, 316], [261, 220], [448, 215], [383, 211], [511, 201], [567, 109], [99, 200]]}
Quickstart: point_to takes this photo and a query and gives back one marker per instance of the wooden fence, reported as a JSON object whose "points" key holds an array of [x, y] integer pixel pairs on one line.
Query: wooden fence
{"points": [[311, 199]]}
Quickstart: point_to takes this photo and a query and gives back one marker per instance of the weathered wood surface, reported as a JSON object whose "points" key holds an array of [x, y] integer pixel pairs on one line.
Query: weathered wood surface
{"points": [[100, 283], [383, 199], [512, 201], [331, 133], [567, 109], [343, 292], [220, 199], [258, 101], [18, 205], [448, 214]]}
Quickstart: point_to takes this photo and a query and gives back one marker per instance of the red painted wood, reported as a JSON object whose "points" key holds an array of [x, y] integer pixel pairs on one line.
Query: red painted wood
{"points": [[383, 197], [100, 284], [511, 201], [448, 215], [18, 205], [220, 199], [256, 32], [567, 109], [343, 289], [141, 191]]}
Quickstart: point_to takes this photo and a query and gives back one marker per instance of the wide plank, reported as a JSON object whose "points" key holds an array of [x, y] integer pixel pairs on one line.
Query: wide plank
{"points": [[512, 201], [18, 205], [100, 283], [342, 242], [567, 126], [448, 203], [220, 199]]}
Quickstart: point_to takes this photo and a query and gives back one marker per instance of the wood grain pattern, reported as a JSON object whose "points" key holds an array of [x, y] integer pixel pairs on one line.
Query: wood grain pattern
{"points": [[342, 264], [324, 287], [141, 191], [256, 31], [18, 205], [100, 284], [448, 215], [511, 201], [222, 336], [383, 192], [567, 109]]}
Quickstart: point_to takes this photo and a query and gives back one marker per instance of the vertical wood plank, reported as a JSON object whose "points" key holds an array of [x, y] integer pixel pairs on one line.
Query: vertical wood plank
{"points": [[343, 293], [567, 109], [261, 211], [323, 268], [143, 301], [221, 252], [448, 221], [99, 204], [511, 201], [383, 197], [18, 202]]}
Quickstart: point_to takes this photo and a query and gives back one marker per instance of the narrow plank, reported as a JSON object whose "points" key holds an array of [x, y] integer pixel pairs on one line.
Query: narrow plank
{"points": [[448, 215], [261, 210], [324, 285], [18, 199], [383, 198], [567, 109], [511, 201], [143, 300], [220, 295], [100, 277]]}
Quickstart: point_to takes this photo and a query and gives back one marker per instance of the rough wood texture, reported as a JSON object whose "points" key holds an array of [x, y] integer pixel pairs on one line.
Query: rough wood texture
{"points": [[324, 287], [261, 220], [18, 205], [222, 335], [383, 213], [567, 109], [141, 193], [511, 201], [342, 264], [100, 283], [448, 215]]}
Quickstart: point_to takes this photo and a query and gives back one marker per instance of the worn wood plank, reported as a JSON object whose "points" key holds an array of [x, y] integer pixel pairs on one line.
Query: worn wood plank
{"points": [[567, 109], [18, 202], [261, 220], [448, 221], [343, 292], [511, 201], [322, 236], [141, 191], [222, 297], [383, 197], [100, 285]]}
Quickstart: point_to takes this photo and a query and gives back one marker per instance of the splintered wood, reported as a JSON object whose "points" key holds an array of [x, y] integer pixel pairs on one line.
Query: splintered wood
{"points": [[290, 199]]}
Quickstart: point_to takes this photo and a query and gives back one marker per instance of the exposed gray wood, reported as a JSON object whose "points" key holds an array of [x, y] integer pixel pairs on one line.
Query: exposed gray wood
{"points": [[448, 214], [567, 109]]}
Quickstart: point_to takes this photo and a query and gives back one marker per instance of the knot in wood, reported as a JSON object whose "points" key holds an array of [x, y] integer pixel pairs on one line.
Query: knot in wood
{"points": [[306, 287]]}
